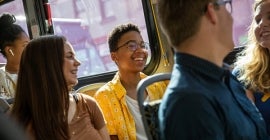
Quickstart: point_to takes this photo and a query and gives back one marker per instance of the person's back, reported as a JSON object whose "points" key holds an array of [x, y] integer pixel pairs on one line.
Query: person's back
{"points": [[203, 100], [206, 102]]}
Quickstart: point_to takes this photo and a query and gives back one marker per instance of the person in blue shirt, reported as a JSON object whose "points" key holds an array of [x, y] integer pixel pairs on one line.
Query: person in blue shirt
{"points": [[252, 65], [204, 101]]}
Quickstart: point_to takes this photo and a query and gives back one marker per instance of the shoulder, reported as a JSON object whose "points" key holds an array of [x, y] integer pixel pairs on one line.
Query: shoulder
{"points": [[110, 89], [162, 83], [105, 94], [86, 98], [2, 71], [104, 89], [142, 75]]}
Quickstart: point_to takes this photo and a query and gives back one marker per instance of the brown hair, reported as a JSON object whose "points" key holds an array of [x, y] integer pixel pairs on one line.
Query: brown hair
{"points": [[42, 96], [180, 19]]}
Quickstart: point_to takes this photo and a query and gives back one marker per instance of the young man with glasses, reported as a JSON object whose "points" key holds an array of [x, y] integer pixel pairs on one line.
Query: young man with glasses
{"points": [[203, 100], [118, 98]]}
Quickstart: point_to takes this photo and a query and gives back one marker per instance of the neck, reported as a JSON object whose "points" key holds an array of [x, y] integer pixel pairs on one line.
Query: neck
{"points": [[205, 48], [130, 82], [11, 69], [207, 42], [129, 79]]}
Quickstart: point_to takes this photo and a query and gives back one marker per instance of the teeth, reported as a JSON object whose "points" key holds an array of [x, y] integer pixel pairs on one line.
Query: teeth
{"points": [[74, 72], [138, 59]]}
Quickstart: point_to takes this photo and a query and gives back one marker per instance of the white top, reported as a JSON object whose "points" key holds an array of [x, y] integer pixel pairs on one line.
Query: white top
{"points": [[134, 110], [7, 84]]}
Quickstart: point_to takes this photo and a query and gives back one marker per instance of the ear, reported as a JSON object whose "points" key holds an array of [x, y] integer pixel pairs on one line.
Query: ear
{"points": [[211, 13], [8, 50], [113, 56]]}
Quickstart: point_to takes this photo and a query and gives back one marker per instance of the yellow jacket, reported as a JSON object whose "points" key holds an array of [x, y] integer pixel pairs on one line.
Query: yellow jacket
{"points": [[112, 101]]}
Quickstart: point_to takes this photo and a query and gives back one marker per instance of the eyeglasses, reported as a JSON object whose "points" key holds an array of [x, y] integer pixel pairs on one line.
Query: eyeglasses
{"points": [[227, 3], [132, 45]]}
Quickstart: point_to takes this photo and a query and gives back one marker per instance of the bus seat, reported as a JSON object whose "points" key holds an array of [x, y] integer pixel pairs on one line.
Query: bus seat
{"points": [[149, 110], [90, 89], [231, 57]]}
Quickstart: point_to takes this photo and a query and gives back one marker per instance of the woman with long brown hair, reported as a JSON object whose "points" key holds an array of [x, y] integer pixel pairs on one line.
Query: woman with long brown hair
{"points": [[44, 102]]}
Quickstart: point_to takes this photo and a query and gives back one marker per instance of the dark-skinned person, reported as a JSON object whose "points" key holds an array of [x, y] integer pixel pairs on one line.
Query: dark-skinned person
{"points": [[13, 40], [118, 98]]}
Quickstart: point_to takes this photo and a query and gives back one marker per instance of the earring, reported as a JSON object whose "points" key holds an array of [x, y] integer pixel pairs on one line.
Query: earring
{"points": [[11, 52]]}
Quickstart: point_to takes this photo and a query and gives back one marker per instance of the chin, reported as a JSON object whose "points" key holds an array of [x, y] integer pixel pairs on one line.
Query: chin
{"points": [[75, 83], [265, 45], [72, 83]]}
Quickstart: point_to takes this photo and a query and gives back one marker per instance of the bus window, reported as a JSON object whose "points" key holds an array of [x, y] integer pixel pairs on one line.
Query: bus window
{"points": [[242, 17], [86, 24], [15, 8]]}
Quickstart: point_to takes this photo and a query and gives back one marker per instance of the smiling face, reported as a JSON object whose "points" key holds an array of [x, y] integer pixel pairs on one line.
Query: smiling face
{"points": [[127, 60], [262, 24], [71, 64]]}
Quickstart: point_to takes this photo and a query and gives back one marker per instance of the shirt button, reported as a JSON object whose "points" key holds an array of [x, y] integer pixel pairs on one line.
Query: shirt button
{"points": [[78, 117], [73, 133]]}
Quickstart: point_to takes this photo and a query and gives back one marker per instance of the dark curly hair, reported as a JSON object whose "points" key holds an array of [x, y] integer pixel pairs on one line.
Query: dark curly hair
{"points": [[118, 32], [9, 31]]}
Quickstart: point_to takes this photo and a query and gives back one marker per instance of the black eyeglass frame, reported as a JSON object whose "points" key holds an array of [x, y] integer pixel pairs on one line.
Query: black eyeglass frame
{"points": [[143, 45]]}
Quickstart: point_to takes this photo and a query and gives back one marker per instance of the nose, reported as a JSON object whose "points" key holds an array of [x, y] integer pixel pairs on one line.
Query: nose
{"points": [[140, 49], [77, 62]]}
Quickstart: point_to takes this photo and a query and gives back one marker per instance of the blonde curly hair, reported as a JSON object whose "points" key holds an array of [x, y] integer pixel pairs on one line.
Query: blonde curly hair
{"points": [[253, 62]]}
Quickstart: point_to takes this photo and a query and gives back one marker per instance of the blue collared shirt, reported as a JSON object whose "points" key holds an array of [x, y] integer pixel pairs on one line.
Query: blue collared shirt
{"points": [[262, 105], [205, 102]]}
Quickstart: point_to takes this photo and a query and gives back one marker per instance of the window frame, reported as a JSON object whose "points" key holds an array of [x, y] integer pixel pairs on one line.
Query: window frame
{"points": [[36, 15]]}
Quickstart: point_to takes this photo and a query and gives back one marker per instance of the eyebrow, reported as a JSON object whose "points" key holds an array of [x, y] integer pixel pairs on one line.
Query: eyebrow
{"points": [[126, 43], [130, 41], [69, 52]]}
